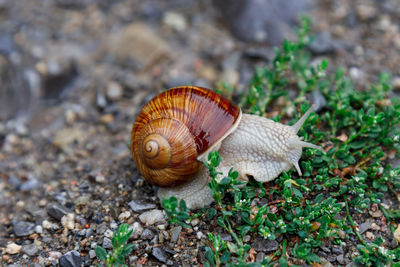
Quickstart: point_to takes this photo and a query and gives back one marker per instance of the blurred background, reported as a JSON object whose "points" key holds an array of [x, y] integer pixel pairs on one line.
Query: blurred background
{"points": [[94, 53]]}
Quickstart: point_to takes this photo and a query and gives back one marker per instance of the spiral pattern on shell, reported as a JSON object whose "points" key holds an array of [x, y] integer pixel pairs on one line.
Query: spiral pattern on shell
{"points": [[177, 126]]}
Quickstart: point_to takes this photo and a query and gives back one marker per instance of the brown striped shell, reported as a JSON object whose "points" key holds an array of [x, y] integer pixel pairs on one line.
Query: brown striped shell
{"points": [[176, 128]]}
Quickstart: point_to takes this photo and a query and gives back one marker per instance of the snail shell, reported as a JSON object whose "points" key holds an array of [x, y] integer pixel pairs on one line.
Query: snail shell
{"points": [[176, 129]]}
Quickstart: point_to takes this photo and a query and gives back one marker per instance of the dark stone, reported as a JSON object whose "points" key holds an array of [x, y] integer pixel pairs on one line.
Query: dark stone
{"points": [[139, 206], [265, 245], [30, 250], [226, 237], [70, 259], [7, 45], [340, 259], [107, 243], [364, 227], [30, 185], [147, 234], [260, 53], [159, 254], [56, 84], [331, 258], [175, 233], [57, 211], [260, 21], [22, 228], [323, 44], [337, 250], [318, 99]]}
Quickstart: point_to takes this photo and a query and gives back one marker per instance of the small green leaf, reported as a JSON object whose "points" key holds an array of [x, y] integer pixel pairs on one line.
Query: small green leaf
{"points": [[101, 253]]}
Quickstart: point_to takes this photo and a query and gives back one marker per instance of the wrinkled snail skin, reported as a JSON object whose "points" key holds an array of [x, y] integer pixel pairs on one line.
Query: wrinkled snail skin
{"points": [[254, 146]]}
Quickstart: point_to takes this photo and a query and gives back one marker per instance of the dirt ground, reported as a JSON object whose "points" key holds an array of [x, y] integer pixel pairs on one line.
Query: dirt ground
{"points": [[72, 84]]}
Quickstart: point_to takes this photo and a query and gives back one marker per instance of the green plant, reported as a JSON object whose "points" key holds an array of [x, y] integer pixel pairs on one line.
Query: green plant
{"points": [[359, 132], [120, 248], [176, 213]]}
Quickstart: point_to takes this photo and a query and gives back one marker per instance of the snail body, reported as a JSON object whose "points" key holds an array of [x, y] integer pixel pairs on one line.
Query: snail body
{"points": [[176, 130]]}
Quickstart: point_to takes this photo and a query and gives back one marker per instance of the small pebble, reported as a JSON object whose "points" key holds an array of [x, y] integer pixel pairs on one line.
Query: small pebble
{"points": [[396, 84], [54, 255], [364, 227], [107, 243], [23, 228], [92, 254], [108, 233], [70, 259], [68, 221], [56, 211], [265, 245], [341, 234], [340, 259], [137, 230], [370, 235], [147, 234], [195, 221], [260, 256], [30, 250], [114, 91], [138, 206], [337, 250], [159, 254], [100, 179], [396, 233], [13, 248], [175, 233], [124, 215], [152, 216], [175, 21], [199, 235]]}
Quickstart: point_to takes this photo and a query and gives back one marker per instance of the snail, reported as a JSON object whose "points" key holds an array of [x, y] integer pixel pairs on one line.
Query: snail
{"points": [[175, 131]]}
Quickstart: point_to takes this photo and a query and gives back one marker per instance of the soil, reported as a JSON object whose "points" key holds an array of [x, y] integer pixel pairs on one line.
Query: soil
{"points": [[74, 84]]}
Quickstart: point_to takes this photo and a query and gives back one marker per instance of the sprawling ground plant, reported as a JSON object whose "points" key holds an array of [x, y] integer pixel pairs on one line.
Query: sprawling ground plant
{"points": [[359, 131]]}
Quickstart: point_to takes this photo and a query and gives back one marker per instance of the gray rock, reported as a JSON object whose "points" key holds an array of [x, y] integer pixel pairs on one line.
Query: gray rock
{"points": [[56, 211], [92, 253], [70, 259], [260, 256], [226, 237], [318, 99], [30, 185], [89, 232], [22, 228], [147, 234], [107, 243], [149, 46], [337, 250], [159, 254], [323, 44], [260, 21], [137, 229], [139, 206], [364, 227], [340, 259], [175, 233], [152, 216], [30, 250], [265, 245]]}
